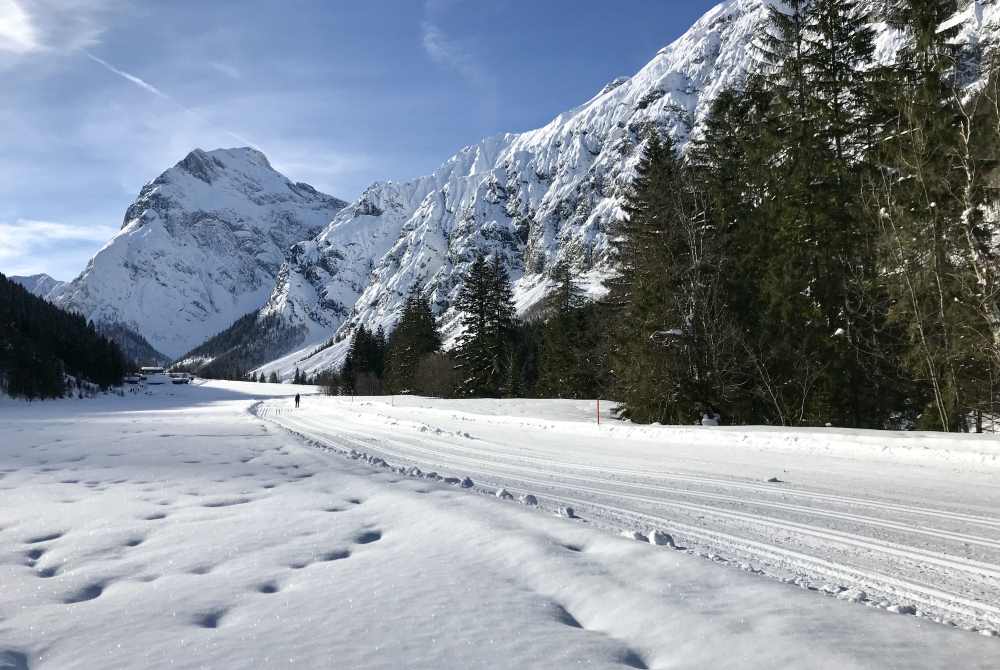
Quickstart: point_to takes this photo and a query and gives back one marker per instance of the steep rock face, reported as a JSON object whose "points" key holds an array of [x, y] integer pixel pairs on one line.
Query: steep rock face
{"points": [[535, 198], [41, 284], [201, 246]]}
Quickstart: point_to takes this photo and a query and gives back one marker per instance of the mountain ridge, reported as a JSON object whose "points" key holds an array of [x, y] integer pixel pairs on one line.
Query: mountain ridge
{"points": [[537, 198], [39, 284]]}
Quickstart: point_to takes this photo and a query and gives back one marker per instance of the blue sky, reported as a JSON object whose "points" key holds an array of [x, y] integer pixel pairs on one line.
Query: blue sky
{"points": [[100, 96]]}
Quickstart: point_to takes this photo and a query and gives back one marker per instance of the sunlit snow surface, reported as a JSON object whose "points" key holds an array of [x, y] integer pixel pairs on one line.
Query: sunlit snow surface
{"points": [[181, 530]]}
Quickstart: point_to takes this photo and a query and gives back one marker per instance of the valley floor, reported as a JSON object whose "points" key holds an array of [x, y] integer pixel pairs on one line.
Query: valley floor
{"points": [[188, 528]]}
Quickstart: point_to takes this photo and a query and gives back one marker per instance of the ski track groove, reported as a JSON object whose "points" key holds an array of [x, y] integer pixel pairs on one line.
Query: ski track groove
{"points": [[490, 465], [770, 489]]}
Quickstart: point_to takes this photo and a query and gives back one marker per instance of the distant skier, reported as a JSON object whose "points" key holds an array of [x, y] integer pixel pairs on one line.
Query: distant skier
{"points": [[296, 401], [710, 418]]}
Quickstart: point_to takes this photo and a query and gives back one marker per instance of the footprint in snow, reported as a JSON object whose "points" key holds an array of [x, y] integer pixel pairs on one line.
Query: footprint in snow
{"points": [[210, 619], [562, 615], [627, 657], [267, 587], [227, 502], [13, 660], [89, 592], [631, 659]]}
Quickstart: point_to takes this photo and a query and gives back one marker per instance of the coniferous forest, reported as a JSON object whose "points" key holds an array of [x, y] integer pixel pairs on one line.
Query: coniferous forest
{"points": [[824, 252], [41, 344]]}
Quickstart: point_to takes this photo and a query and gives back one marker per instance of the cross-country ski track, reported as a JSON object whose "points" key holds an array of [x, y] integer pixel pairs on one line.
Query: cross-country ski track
{"points": [[904, 522]]}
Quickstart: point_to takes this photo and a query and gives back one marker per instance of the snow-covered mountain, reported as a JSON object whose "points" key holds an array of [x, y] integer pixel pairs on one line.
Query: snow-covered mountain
{"points": [[41, 284], [536, 198], [206, 242], [201, 246]]}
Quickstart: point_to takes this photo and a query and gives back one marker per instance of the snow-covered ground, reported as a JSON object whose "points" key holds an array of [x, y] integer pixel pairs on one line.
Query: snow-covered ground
{"points": [[178, 529], [910, 520]]}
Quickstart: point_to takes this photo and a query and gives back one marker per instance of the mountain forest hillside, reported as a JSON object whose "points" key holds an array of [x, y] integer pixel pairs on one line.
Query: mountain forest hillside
{"points": [[41, 345]]}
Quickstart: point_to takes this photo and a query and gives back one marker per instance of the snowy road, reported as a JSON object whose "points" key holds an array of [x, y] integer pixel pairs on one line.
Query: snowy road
{"points": [[889, 520], [177, 530]]}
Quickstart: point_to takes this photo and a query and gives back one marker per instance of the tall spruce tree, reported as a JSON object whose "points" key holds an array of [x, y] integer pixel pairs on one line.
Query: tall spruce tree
{"points": [[364, 365], [853, 335], [915, 204], [667, 296], [415, 337], [787, 353], [487, 312], [562, 373]]}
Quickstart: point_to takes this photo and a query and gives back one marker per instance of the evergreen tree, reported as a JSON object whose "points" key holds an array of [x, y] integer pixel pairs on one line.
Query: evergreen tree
{"points": [[652, 312], [915, 203], [363, 367], [486, 305], [562, 373], [415, 337], [526, 359]]}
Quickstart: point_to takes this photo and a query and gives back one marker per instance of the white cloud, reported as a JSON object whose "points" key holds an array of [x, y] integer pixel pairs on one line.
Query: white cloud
{"points": [[17, 33], [28, 237], [449, 52], [30, 27]]}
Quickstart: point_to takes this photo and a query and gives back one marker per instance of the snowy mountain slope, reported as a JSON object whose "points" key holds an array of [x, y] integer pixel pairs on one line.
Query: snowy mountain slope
{"points": [[201, 246], [536, 198], [41, 284]]}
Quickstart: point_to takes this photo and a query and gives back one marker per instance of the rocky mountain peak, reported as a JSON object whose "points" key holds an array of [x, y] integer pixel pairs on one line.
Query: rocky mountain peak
{"points": [[40, 284], [200, 246]]}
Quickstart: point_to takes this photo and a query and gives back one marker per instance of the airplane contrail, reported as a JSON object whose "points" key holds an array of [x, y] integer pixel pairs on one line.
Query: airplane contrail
{"points": [[146, 86]]}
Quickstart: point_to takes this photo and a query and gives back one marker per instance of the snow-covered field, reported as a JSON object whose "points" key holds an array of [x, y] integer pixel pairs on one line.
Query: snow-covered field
{"points": [[180, 530]]}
